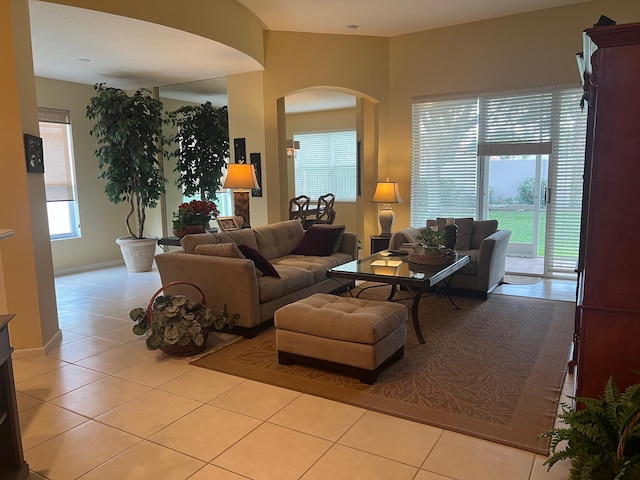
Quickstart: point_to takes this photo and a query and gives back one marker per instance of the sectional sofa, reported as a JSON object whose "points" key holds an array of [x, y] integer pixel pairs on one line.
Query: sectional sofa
{"points": [[255, 271]]}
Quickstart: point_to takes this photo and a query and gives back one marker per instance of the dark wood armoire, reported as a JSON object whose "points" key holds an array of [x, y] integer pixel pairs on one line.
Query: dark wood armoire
{"points": [[607, 340]]}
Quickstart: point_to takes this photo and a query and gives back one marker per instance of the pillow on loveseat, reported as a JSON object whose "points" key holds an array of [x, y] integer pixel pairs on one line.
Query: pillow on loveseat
{"points": [[320, 240], [261, 263], [220, 250], [465, 230]]}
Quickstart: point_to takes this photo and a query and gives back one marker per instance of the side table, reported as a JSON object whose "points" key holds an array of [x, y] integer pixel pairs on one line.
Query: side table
{"points": [[379, 243]]}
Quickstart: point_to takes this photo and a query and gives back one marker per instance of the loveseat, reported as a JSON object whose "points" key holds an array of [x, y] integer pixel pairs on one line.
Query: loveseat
{"points": [[237, 268], [481, 240]]}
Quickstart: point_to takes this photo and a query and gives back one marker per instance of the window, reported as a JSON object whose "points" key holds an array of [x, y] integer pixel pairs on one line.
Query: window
{"points": [[326, 163], [55, 130], [459, 143]]}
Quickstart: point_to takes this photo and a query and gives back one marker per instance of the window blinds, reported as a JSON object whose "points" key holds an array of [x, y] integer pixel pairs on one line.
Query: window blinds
{"points": [[326, 163], [56, 144]]}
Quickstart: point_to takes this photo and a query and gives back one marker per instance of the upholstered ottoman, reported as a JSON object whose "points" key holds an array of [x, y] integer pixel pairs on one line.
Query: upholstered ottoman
{"points": [[356, 336]]}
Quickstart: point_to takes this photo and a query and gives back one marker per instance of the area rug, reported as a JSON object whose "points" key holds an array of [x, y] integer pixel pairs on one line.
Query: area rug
{"points": [[521, 280], [492, 369]]}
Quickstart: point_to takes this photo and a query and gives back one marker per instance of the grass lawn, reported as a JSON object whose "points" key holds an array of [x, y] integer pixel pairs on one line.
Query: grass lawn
{"points": [[521, 226]]}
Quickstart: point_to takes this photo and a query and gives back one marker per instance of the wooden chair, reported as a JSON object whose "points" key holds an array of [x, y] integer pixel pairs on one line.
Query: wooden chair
{"points": [[299, 207], [326, 213]]}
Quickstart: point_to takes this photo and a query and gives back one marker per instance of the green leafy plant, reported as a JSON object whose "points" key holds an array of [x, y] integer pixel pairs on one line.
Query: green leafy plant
{"points": [[177, 320], [196, 212], [602, 440], [431, 237], [202, 151], [129, 137]]}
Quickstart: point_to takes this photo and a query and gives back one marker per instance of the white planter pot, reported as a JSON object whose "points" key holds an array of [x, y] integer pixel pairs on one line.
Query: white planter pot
{"points": [[138, 253]]}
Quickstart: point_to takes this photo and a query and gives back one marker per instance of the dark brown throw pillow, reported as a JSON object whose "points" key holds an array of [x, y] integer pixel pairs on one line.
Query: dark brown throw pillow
{"points": [[261, 263], [319, 241]]}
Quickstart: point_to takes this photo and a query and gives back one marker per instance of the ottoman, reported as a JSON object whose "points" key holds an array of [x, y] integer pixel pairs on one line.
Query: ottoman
{"points": [[359, 337]]}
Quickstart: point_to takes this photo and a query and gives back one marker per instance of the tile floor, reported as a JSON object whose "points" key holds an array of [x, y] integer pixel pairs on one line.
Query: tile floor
{"points": [[101, 406]]}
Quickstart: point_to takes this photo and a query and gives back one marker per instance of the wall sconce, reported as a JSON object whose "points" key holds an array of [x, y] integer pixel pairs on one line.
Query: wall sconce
{"points": [[386, 193], [241, 176], [292, 147]]}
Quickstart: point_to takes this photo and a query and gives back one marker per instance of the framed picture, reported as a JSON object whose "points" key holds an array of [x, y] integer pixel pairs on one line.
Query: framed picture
{"points": [[257, 164], [34, 153], [227, 223], [240, 150]]}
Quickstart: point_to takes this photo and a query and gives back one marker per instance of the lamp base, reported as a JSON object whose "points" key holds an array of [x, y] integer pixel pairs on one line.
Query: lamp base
{"points": [[385, 217], [241, 207]]}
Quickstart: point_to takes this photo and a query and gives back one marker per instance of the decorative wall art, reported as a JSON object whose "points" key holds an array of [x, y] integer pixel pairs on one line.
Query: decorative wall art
{"points": [[240, 150], [257, 164], [34, 153]]}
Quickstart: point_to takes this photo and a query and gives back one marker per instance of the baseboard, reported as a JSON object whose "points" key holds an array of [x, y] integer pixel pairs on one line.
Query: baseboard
{"points": [[38, 351], [86, 268]]}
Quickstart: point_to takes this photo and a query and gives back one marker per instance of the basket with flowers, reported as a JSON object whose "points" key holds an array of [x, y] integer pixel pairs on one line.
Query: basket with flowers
{"points": [[193, 217]]}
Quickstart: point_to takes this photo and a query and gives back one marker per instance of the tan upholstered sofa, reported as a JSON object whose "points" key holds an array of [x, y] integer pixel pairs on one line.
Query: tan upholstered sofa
{"points": [[482, 241], [214, 262]]}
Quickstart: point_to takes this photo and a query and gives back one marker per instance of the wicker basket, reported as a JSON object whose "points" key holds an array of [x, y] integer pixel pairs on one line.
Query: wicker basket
{"points": [[446, 258], [180, 350]]}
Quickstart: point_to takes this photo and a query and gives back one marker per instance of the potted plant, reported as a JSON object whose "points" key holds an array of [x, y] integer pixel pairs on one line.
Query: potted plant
{"points": [[431, 242], [177, 325], [202, 152], [601, 439], [193, 217], [128, 130]]}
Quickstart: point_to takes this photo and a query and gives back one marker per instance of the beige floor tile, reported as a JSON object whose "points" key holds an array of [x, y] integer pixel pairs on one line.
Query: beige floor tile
{"points": [[205, 432], [146, 460], [58, 382], [64, 338], [101, 396], [424, 475], [83, 348], [35, 476], [45, 421], [242, 399], [118, 358], [121, 334], [318, 416], [468, 458], [560, 471], [393, 438], [211, 472], [25, 368], [201, 384], [95, 325], [26, 401], [344, 463], [148, 413], [276, 453], [157, 370], [76, 451]]}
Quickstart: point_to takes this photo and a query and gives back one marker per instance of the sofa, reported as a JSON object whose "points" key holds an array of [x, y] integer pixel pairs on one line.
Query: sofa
{"points": [[255, 271], [481, 240]]}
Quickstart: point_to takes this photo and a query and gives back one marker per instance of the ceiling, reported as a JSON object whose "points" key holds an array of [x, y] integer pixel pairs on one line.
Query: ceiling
{"points": [[89, 47]]}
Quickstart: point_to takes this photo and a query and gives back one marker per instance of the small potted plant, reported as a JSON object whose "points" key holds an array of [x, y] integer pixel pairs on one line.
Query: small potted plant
{"points": [[193, 217], [602, 438], [177, 325], [431, 241]]}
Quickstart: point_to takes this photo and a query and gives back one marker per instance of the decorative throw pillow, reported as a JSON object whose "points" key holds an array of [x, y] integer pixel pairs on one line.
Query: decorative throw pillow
{"points": [[261, 263], [320, 240], [220, 250], [481, 230], [463, 237]]}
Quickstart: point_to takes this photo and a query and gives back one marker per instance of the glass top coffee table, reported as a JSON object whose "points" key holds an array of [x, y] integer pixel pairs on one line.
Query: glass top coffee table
{"points": [[398, 271]]}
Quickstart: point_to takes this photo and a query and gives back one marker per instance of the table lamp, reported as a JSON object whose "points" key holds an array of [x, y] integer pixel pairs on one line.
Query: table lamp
{"points": [[386, 193], [241, 176]]}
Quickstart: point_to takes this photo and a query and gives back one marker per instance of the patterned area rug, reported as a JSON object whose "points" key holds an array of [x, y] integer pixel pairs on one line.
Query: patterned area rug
{"points": [[493, 369]]}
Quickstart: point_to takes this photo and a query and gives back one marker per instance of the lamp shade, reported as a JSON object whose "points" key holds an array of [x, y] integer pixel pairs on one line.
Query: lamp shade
{"points": [[387, 192], [241, 175]]}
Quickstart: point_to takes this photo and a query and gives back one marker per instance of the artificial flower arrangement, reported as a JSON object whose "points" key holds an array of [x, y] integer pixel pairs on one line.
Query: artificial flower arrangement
{"points": [[194, 213], [432, 237]]}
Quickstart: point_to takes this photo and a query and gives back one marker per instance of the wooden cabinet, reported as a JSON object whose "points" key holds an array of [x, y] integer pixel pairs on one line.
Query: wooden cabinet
{"points": [[608, 304], [379, 243], [12, 464]]}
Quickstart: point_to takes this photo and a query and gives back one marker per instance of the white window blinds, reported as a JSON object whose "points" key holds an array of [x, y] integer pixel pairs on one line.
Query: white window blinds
{"points": [[56, 143], [326, 163], [444, 158]]}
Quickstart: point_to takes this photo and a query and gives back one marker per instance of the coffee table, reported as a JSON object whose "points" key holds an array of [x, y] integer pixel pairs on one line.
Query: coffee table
{"points": [[398, 271]]}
